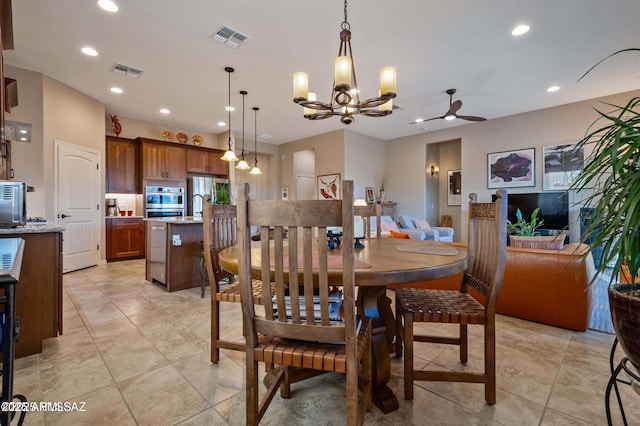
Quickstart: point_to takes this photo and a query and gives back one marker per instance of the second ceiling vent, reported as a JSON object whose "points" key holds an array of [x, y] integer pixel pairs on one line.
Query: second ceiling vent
{"points": [[126, 70], [229, 37]]}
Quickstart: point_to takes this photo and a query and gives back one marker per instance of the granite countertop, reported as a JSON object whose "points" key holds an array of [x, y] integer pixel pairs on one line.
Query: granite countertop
{"points": [[125, 217], [32, 229], [185, 220]]}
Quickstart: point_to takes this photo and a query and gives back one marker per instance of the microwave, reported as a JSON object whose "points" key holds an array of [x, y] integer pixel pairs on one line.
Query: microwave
{"points": [[13, 204]]}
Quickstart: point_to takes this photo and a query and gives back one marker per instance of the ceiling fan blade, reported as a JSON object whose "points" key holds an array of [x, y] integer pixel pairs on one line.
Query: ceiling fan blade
{"points": [[454, 107], [471, 118], [428, 119]]}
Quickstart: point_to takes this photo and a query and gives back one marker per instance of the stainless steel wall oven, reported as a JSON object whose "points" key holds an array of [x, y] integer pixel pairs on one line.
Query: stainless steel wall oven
{"points": [[163, 201]]}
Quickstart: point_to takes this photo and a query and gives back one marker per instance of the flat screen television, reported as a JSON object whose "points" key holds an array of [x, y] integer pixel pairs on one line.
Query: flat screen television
{"points": [[554, 208]]}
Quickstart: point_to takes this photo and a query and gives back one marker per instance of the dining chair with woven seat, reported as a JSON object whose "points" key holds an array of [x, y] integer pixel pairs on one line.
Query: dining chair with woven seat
{"points": [[303, 326], [485, 269], [219, 230]]}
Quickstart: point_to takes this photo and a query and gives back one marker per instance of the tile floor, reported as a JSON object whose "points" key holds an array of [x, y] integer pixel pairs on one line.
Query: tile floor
{"points": [[139, 355]]}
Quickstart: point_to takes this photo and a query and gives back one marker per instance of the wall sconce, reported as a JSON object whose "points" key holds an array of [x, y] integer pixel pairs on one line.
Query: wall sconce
{"points": [[434, 169]]}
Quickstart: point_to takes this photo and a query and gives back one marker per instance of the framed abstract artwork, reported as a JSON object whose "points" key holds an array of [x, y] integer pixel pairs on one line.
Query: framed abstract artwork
{"points": [[454, 196], [329, 187], [511, 169], [562, 164]]}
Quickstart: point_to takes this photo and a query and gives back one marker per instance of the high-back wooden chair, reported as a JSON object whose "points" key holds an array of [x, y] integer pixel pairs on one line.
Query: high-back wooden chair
{"points": [[301, 327], [219, 230], [485, 270], [366, 212]]}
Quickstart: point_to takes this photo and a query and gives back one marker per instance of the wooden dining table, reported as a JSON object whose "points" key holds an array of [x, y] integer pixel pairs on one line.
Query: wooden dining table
{"points": [[382, 262]]}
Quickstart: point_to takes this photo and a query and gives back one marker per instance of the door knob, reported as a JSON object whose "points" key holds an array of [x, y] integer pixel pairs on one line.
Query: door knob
{"points": [[65, 215]]}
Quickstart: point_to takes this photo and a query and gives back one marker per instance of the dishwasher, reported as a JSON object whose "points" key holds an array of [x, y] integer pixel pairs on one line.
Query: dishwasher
{"points": [[158, 253]]}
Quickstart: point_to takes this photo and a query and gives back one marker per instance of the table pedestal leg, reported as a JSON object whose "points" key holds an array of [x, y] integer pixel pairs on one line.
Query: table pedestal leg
{"points": [[373, 303]]}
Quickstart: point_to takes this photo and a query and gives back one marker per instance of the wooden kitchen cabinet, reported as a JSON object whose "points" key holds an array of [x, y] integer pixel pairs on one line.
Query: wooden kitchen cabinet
{"points": [[125, 238], [206, 161], [161, 161], [123, 166], [39, 289]]}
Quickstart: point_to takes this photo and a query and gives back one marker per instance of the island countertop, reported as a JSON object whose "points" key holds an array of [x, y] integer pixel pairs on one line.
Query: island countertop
{"points": [[184, 220], [32, 229]]}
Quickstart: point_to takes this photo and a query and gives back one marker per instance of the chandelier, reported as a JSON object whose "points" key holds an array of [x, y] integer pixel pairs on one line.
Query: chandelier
{"points": [[345, 94], [229, 155]]}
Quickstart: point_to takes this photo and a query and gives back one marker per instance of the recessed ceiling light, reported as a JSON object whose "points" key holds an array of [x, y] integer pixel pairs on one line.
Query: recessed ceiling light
{"points": [[164, 111], [221, 123], [520, 29], [90, 51], [419, 120], [229, 108], [553, 89], [450, 117], [116, 90], [108, 5]]}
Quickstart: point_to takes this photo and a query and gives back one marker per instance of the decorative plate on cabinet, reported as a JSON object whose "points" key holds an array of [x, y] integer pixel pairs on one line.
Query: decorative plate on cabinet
{"points": [[182, 137], [167, 135], [197, 140]]}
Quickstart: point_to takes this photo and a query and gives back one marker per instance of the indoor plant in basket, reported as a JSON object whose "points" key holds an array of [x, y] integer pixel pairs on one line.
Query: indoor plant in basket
{"points": [[611, 184], [524, 234]]}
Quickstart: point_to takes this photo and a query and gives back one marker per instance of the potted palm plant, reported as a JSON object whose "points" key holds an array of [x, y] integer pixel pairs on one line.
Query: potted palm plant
{"points": [[610, 183]]}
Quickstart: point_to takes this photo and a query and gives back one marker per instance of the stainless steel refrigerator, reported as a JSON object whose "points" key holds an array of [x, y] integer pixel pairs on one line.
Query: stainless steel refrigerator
{"points": [[199, 186]]}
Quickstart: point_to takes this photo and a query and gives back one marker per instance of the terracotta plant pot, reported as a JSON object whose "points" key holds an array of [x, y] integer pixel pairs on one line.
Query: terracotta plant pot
{"points": [[625, 313]]}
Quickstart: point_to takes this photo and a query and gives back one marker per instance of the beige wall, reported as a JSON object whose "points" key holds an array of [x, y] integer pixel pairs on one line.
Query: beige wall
{"points": [[552, 126], [364, 159], [72, 117], [27, 157], [329, 157]]}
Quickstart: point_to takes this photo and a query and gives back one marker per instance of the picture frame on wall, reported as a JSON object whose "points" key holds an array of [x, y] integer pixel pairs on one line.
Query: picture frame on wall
{"points": [[511, 169], [329, 187], [454, 196], [370, 195], [561, 166]]}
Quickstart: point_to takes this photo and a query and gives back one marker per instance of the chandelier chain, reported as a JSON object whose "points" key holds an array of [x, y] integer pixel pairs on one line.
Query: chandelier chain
{"points": [[345, 23]]}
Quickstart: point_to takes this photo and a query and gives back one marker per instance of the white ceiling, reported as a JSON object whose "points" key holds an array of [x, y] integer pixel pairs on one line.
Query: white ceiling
{"points": [[435, 44]]}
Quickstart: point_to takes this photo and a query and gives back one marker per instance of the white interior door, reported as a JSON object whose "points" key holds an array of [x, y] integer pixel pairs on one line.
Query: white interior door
{"points": [[78, 204]]}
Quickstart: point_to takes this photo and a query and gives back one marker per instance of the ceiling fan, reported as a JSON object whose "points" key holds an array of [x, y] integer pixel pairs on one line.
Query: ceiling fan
{"points": [[451, 114]]}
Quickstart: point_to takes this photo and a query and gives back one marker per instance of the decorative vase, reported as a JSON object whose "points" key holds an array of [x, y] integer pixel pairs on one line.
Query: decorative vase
{"points": [[625, 314], [381, 197]]}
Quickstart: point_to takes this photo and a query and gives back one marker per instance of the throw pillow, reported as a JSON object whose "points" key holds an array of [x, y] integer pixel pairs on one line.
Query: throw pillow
{"points": [[395, 234], [422, 224], [388, 226]]}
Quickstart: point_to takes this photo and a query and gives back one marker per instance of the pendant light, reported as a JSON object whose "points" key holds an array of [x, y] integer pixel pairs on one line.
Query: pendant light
{"points": [[229, 155], [242, 165], [255, 170]]}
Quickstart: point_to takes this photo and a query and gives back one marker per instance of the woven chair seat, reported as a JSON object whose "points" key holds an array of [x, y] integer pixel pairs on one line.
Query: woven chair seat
{"points": [[441, 306], [231, 292], [303, 354]]}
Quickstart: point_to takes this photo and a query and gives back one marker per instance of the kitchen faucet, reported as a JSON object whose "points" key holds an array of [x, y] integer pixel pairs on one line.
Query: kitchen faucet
{"points": [[202, 198]]}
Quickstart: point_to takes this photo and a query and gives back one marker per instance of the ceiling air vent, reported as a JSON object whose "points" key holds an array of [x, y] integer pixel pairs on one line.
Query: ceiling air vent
{"points": [[126, 70], [229, 37]]}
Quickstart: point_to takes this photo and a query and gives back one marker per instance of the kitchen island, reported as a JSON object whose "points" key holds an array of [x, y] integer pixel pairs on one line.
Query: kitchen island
{"points": [[39, 290], [173, 252]]}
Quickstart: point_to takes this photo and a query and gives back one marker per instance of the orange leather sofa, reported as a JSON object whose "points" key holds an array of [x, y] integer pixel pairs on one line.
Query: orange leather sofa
{"points": [[545, 286]]}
